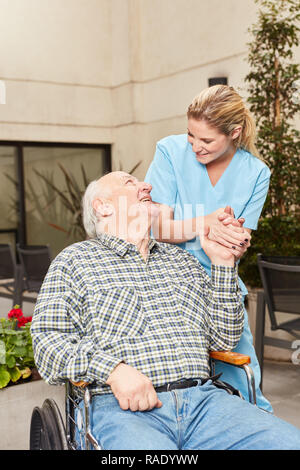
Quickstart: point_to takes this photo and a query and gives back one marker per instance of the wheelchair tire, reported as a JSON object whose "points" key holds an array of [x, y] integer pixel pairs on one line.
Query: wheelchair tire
{"points": [[47, 430]]}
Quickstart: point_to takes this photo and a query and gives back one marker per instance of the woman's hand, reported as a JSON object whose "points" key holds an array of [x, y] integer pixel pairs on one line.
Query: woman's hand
{"points": [[223, 228], [228, 231]]}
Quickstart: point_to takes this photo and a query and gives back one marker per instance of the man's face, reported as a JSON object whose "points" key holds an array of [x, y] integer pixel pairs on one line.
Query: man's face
{"points": [[129, 198], [135, 191]]}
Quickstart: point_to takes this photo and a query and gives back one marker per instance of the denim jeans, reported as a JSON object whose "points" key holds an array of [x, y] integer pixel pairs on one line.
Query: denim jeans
{"points": [[201, 417], [236, 376]]}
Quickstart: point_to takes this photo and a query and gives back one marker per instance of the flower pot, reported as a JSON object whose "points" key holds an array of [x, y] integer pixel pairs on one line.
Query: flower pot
{"points": [[16, 405]]}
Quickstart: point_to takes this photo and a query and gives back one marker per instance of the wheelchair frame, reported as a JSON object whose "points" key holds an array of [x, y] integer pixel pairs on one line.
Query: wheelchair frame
{"points": [[48, 432]]}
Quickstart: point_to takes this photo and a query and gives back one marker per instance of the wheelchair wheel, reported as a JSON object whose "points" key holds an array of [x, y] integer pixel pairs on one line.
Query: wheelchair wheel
{"points": [[47, 431]]}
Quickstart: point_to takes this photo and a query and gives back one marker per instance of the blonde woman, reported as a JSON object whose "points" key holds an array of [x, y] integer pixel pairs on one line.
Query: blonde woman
{"points": [[214, 165]]}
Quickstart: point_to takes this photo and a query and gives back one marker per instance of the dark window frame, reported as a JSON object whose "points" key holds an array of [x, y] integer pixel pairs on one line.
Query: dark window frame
{"points": [[20, 231]]}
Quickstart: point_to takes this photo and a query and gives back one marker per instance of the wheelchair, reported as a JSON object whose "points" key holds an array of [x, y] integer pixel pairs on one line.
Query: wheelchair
{"points": [[49, 432]]}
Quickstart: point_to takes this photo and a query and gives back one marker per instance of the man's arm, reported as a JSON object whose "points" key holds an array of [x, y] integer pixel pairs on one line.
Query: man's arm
{"points": [[223, 229], [223, 307], [62, 348]]}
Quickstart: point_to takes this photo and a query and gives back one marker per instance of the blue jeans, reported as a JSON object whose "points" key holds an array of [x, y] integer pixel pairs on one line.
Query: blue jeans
{"points": [[236, 377], [201, 417]]}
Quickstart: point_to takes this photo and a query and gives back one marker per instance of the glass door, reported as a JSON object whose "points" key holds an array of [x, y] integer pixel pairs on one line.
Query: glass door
{"points": [[41, 186], [55, 179]]}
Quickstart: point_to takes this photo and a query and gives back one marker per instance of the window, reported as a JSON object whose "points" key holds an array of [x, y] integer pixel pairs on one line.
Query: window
{"points": [[11, 220], [35, 179]]}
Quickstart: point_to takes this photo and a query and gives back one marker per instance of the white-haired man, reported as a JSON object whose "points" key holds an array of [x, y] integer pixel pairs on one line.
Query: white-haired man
{"points": [[136, 319]]}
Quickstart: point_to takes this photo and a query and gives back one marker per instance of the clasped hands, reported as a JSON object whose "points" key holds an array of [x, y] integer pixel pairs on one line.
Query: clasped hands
{"points": [[222, 227]]}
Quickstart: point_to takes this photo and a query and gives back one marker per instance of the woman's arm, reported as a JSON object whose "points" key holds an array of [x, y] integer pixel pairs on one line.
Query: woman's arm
{"points": [[226, 231]]}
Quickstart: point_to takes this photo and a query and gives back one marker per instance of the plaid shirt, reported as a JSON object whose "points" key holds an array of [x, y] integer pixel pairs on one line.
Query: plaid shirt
{"points": [[101, 304]]}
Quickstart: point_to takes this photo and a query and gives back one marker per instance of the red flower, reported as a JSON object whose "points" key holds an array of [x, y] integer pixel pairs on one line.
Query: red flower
{"points": [[23, 320], [15, 313]]}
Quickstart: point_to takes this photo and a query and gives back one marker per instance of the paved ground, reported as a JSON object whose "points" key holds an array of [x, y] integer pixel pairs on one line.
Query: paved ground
{"points": [[282, 388]]}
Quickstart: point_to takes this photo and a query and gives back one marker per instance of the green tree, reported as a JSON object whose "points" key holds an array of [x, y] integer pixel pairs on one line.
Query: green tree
{"points": [[274, 99]]}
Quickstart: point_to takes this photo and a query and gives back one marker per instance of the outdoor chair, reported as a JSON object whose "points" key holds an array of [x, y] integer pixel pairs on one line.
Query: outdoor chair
{"points": [[48, 431], [280, 276], [35, 261], [10, 274]]}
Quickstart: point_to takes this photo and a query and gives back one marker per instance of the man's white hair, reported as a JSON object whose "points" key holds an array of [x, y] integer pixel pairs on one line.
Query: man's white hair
{"points": [[89, 216]]}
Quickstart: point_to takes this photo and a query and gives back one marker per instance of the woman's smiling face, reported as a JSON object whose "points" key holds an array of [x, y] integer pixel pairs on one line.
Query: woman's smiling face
{"points": [[208, 143]]}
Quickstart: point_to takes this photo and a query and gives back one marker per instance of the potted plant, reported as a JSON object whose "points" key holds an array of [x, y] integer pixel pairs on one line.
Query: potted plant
{"points": [[16, 355], [20, 387], [273, 89]]}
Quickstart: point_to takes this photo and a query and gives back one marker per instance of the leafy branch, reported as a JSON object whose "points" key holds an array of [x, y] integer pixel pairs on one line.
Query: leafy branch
{"points": [[70, 198], [272, 81]]}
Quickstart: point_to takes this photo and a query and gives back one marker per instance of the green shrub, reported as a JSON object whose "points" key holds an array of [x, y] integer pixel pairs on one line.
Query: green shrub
{"points": [[274, 99], [276, 236]]}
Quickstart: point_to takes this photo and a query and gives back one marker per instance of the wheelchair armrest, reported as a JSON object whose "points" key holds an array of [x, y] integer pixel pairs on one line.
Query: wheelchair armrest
{"points": [[230, 357], [81, 383]]}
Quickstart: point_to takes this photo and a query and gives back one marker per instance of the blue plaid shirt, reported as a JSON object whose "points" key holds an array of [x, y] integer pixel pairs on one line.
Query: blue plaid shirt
{"points": [[101, 304]]}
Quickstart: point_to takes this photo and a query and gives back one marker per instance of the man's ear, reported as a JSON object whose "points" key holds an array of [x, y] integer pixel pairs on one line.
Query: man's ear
{"points": [[236, 132], [102, 207]]}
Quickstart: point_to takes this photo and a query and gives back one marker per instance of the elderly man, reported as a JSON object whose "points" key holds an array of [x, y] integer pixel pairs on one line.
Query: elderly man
{"points": [[137, 319]]}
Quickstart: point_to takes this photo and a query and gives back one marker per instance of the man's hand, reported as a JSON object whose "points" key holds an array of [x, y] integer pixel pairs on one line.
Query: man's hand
{"points": [[132, 389], [228, 231], [217, 253]]}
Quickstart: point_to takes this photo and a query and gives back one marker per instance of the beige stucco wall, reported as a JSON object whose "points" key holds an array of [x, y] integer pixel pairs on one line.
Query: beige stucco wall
{"points": [[174, 47], [55, 60], [115, 71]]}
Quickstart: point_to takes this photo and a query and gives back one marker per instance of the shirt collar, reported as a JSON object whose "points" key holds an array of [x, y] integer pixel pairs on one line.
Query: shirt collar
{"points": [[120, 246]]}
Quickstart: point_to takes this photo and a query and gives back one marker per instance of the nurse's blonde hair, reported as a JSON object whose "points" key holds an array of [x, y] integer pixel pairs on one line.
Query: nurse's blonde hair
{"points": [[223, 108]]}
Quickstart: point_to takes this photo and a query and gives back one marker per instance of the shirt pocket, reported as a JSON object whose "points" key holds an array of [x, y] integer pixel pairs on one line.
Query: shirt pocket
{"points": [[120, 314]]}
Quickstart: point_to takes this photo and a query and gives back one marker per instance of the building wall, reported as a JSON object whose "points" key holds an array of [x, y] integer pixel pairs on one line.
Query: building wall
{"points": [[174, 47], [55, 60], [115, 71]]}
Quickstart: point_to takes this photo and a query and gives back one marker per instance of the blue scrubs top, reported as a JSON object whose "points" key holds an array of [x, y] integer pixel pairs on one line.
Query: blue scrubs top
{"points": [[181, 182]]}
